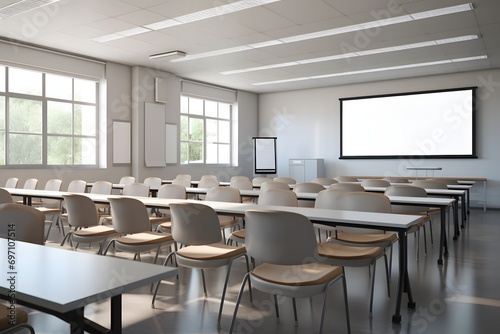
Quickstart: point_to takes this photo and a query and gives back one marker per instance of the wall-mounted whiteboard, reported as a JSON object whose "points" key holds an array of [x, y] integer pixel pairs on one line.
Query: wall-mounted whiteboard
{"points": [[154, 135], [171, 143], [264, 155], [121, 142]]}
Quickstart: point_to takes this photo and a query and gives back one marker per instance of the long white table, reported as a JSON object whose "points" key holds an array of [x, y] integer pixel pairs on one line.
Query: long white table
{"points": [[62, 282], [383, 221]]}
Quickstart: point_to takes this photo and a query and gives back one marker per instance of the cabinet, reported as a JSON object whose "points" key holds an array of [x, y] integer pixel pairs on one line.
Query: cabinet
{"points": [[304, 170]]}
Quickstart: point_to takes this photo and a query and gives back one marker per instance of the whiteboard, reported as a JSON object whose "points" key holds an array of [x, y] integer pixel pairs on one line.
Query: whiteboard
{"points": [[154, 134], [121, 142], [264, 155]]}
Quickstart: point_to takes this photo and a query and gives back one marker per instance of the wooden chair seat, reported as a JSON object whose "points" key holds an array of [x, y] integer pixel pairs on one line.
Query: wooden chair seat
{"points": [[301, 275], [210, 252], [366, 238], [144, 238], [343, 252], [94, 231]]}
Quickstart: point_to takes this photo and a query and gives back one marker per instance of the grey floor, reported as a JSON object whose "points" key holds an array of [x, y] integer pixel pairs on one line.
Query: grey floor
{"points": [[461, 296]]}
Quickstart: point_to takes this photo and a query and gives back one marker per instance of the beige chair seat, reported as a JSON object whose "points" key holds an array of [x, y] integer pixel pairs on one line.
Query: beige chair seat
{"points": [[45, 210], [366, 238], [21, 317], [94, 231], [239, 234], [302, 275], [210, 252], [226, 222], [144, 238], [341, 252]]}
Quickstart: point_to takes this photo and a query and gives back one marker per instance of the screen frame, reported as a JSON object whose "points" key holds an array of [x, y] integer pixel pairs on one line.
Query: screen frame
{"points": [[472, 155], [268, 155]]}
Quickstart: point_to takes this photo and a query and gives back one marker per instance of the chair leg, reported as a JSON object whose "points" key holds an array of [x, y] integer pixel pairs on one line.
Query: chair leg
{"points": [[159, 282], [346, 302], [111, 242], [204, 284], [372, 287], [430, 228], [387, 276], [295, 312], [224, 292], [276, 309], [238, 300]]}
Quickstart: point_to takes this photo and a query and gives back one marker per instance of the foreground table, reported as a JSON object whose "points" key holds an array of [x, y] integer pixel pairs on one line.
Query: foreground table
{"points": [[62, 282]]}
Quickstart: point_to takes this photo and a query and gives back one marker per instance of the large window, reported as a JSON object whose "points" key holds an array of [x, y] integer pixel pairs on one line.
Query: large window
{"points": [[47, 119], [205, 131]]}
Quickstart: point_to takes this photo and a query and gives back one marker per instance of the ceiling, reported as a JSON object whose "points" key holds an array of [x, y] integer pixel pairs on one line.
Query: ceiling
{"points": [[127, 32]]}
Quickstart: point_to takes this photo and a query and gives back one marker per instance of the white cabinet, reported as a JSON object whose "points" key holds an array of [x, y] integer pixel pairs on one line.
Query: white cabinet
{"points": [[304, 170]]}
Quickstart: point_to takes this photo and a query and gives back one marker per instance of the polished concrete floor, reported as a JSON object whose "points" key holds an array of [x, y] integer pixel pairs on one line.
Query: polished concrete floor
{"points": [[461, 296]]}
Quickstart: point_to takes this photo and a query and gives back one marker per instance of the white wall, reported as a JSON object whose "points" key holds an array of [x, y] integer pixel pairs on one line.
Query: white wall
{"points": [[307, 124]]}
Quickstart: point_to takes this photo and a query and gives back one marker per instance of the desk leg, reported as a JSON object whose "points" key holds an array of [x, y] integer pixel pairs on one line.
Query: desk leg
{"points": [[77, 321], [467, 191], [443, 244], [27, 200], [455, 219], [404, 281], [464, 209], [116, 314]]}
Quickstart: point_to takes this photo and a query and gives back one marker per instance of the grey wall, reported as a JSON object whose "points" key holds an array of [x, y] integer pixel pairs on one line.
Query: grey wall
{"points": [[307, 124]]}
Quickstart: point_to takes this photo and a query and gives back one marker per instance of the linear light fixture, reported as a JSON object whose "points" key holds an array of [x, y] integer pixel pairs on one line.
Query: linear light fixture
{"points": [[188, 18], [356, 54], [340, 30], [175, 53], [373, 70], [23, 6]]}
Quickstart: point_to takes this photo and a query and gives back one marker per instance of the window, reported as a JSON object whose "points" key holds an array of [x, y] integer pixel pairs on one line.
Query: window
{"points": [[205, 131], [47, 119]]}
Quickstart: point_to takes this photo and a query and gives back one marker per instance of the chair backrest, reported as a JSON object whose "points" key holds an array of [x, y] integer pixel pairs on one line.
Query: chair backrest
{"points": [[239, 177], [11, 182], [77, 186], [375, 183], [29, 222], [209, 176], [129, 215], [274, 185], [326, 198], [287, 180], [347, 186], [127, 180], [82, 211], [277, 197], [208, 183], [54, 185], [102, 187], [407, 190], [241, 184], [393, 179], [279, 237], [172, 191], [194, 224], [429, 184], [184, 177], [182, 182], [5, 196], [136, 189], [257, 181], [223, 194], [326, 181], [362, 201], [308, 187], [30, 183], [153, 182], [346, 179]]}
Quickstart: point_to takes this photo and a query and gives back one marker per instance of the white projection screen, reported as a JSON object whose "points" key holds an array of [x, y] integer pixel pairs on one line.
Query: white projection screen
{"points": [[430, 124]]}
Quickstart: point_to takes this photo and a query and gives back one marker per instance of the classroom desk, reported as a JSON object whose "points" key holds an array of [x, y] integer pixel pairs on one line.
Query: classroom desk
{"points": [[383, 221], [62, 282]]}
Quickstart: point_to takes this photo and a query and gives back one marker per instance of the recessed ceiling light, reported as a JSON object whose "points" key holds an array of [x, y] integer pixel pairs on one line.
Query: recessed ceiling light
{"points": [[373, 70], [175, 53], [23, 6]]}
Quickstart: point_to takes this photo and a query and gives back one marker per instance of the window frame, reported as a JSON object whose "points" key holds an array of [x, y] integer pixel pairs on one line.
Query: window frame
{"points": [[45, 135], [184, 112]]}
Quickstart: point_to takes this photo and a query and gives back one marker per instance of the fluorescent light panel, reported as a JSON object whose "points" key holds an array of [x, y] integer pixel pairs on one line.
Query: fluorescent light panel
{"points": [[191, 17], [22, 7], [341, 30], [373, 70], [168, 54], [356, 54]]}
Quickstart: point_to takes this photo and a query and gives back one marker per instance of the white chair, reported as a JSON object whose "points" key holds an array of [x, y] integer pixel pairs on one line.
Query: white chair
{"points": [[274, 185], [239, 177], [126, 180], [103, 188], [182, 182], [29, 223], [82, 217], [207, 182], [225, 194], [11, 182], [307, 187], [171, 191], [74, 187], [5, 196], [413, 191], [184, 177], [375, 183], [136, 189], [131, 220], [51, 208], [288, 266], [287, 180], [153, 182], [326, 181], [29, 184], [347, 186], [209, 177], [196, 226], [242, 184], [258, 180]]}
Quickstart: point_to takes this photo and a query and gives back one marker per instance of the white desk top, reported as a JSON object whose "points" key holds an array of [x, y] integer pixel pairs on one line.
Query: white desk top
{"points": [[63, 280]]}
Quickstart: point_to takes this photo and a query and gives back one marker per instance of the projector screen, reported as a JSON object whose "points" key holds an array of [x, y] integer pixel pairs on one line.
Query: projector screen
{"points": [[264, 155], [430, 124]]}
